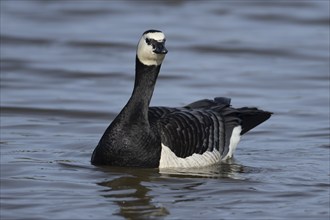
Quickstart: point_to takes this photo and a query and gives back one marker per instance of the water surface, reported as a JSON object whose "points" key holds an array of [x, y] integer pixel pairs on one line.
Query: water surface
{"points": [[67, 68]]}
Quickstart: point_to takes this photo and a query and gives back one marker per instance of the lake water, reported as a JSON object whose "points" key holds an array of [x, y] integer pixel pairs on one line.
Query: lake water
{"points": [[67, 68]]}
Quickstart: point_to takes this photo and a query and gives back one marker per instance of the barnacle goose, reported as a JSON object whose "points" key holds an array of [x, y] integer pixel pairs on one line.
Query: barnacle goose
{"points": [[199, 134]]}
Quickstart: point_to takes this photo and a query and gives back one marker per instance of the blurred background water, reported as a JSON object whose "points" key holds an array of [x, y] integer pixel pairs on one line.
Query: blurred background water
{"points": [[67, 68]]}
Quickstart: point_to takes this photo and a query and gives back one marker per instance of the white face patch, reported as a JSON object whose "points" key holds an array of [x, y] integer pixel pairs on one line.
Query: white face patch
{"points": [[145, 52]]}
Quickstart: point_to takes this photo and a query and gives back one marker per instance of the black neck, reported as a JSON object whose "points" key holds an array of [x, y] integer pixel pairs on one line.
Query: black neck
{"points": [[138, 105]]}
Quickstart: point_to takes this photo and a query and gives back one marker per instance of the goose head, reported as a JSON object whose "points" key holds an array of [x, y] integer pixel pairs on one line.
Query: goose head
{"points": [[151, 48]]}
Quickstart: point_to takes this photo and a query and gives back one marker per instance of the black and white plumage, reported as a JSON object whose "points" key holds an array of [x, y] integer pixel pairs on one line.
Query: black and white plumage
{"points": [[199, 134]]}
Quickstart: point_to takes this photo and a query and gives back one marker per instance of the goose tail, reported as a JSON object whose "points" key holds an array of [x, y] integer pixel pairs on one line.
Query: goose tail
{"points": [[252, 117]]}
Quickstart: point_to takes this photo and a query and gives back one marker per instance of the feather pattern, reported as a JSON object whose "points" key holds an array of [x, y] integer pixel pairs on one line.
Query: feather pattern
{"points": [[202, 126], [205, 125]]}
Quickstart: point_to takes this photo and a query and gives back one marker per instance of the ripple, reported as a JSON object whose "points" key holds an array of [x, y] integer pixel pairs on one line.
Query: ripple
{"points": [[288, 19], [240, 50], [97, 45], [11, 64], [7, 110], [254, 51], [15, 40], [92, 12]]}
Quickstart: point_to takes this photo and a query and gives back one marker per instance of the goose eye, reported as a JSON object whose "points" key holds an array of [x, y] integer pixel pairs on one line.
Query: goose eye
{"points": [[148, 41]]}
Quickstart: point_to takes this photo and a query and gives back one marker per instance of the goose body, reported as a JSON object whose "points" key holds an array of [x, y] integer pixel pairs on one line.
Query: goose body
{"points": [[199, 134]]}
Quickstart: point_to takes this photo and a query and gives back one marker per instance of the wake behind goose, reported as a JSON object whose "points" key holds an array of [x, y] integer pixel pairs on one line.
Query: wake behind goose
{"points": [[199, 134]]}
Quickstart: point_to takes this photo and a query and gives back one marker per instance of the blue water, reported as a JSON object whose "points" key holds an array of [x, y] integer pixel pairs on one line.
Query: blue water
{"points": [[67, 68]]}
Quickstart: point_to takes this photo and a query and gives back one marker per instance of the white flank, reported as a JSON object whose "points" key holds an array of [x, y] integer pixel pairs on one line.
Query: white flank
{"points": [[145, 52], [169, 160], [234, 139]]}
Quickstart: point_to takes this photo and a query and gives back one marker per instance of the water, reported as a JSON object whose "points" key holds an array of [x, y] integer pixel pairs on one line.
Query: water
{"points": [[67, 69]]}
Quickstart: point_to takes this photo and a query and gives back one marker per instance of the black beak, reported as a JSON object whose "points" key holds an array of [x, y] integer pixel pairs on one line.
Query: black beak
{"points": [[159, 48]]}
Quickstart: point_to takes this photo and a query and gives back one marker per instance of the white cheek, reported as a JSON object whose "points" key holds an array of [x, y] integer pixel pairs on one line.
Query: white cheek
{"points": [[147, 56]]}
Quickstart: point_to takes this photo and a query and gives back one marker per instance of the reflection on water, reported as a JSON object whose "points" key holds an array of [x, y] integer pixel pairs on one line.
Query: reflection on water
{"points": [[224, 170], [132, 197], [132, 193]]}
